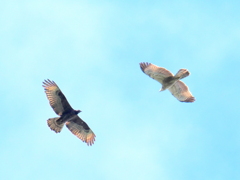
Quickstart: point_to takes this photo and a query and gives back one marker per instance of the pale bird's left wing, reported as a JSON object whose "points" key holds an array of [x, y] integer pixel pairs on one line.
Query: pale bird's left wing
{"points": [[80, 129], [155, 72], [181, 92]]}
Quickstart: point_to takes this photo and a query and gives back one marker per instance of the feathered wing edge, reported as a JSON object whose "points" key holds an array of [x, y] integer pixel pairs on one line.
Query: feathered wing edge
{"points": [[181, 92], [155, 72], [56, 98], [80, 129], [144, 65], [54, 126], [49, 83], [51, 88], [182, 73]]}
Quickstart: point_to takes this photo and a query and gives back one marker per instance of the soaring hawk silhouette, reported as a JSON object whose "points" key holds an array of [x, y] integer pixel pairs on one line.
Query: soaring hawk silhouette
{"points": [[169, 81], [67, 114]]}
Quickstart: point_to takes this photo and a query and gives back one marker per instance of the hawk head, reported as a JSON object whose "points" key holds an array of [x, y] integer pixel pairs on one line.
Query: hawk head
{"points": [[77, 111]]}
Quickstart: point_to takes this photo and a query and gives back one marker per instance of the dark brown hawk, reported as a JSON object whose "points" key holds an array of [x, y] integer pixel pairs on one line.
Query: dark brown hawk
{"points": [[67, 114]]}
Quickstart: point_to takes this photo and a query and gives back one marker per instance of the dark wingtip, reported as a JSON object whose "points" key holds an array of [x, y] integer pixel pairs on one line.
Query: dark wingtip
{"points": [[48, 82], [190, 100], [143, 65], [44, 83]]}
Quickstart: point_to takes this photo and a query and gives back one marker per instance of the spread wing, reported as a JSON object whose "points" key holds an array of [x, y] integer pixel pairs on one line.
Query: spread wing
{"points": [[56, 98], [80, 129], [155, 72], [181, 92]]}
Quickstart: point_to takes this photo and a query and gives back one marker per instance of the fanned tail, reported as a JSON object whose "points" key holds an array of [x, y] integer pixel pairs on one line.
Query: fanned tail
{"points": [[182, 73], [52, 123]]}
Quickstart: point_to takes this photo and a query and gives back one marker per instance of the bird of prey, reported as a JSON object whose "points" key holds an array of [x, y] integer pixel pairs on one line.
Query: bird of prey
{"points": [[67, 114], [169, 81]]}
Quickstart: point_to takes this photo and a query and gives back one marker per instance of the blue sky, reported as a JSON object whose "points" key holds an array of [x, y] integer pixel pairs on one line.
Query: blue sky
{"points": [[92, 50]]}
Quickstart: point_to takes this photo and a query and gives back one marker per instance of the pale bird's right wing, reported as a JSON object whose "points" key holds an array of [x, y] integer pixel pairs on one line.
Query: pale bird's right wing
{"points": [[155, 72], [181, 92]]}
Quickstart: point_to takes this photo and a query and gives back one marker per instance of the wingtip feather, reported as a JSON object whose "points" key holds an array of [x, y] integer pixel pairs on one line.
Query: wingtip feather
{"points": [[190, 100], [144, 65], [90, 141]]}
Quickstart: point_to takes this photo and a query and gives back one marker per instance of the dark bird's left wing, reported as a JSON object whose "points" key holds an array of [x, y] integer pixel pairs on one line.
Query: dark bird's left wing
{"points": [[80, 129], [56, 98]]}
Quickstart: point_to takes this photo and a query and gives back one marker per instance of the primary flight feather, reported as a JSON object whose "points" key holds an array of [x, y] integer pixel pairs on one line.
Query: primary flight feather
{"points": [[169, 81], [67, 114]]}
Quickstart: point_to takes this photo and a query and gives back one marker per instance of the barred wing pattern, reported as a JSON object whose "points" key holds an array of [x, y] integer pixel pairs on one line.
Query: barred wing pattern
{"points": [[181, 92], [155, 72], [56, 98], [162, 75], [67, 114], [80, 129]]}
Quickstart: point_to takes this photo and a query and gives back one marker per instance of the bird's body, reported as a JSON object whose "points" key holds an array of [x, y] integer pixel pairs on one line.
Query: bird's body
{"points": [[169, 81], [67, 114]]}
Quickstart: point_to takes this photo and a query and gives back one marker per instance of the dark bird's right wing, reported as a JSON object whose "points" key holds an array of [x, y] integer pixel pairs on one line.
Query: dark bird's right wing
{"points": [[80, 129], [56, 98]]}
